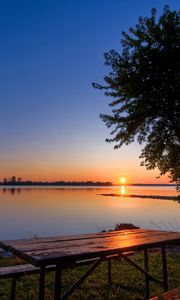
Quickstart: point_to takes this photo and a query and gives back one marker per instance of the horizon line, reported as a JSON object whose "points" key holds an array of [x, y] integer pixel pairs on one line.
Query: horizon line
{"points": [[88, 183]]}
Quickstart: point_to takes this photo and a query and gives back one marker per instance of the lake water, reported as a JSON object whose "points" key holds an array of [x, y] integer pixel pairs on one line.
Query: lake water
{"points": [[41, 211]]}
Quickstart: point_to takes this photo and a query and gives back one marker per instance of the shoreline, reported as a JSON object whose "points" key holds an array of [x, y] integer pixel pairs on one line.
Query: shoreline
{"points": [[176, 198]]}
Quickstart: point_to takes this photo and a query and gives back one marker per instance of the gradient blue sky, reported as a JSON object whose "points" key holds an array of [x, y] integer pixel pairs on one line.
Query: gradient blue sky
{"points": [[51, 52]]}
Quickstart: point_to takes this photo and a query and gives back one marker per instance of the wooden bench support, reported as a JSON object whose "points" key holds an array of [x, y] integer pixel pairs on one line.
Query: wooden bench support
{"points": [[58, 284], [18, 271], [109, 272], [169, 295], [164, 266], [146, 268], [149, 276], [76, 285], [42, 283], [13, 289]]}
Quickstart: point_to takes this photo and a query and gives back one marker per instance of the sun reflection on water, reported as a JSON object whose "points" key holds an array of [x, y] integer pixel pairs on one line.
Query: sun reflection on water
{"points": [[123, 190]]}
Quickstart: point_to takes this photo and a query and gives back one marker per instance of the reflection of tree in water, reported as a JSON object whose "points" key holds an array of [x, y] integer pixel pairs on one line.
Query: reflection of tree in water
{"points": [[12, 191]]}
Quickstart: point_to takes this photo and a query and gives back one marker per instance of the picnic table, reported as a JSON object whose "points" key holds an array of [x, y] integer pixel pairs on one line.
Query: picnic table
{"points": [[67, 250]]}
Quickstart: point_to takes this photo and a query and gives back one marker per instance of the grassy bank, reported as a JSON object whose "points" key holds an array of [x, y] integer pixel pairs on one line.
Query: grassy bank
{"points": [[96, 286]]}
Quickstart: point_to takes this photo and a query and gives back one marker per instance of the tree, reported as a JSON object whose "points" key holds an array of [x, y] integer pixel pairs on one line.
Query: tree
{"points": [[5, 180], [13, 180], [144, 82], [19, 180]]}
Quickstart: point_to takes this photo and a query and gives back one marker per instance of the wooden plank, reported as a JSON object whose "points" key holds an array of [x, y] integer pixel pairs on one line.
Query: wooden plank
{"points": [[61, 244], [84, 252], [70, 243], [74, 249], [75, 237], [14, 271], [21, 270], [96, 241], [32, 241], [84, 242], [62, 238], [170, 295], [118, 242], [87, 248]]}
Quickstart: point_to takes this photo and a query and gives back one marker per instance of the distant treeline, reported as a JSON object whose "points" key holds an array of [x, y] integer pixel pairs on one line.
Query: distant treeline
{"points": [[18, 181]]}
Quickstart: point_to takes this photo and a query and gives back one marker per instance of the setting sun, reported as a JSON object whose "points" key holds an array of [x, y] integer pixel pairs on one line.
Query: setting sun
{"points": [[123, 180]]}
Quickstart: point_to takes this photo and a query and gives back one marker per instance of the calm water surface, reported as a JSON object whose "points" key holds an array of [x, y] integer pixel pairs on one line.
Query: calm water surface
{"points": [[40, 211]]}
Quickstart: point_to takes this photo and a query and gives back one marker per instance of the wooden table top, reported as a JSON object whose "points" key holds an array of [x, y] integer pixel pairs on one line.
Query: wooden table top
{"points": [[65, 249]]}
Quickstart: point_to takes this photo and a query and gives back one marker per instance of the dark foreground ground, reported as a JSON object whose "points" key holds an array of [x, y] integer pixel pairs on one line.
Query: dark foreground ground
{"points": [[96, 286]]}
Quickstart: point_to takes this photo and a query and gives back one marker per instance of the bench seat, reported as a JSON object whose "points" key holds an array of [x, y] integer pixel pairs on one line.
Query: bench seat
{"points": [[20, 271], [170, 295], [28, 269]]}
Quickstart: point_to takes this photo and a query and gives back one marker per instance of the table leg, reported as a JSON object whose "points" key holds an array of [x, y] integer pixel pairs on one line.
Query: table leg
{"points": [[164, 266], [109, 272], [13, 289], [42, 283], [146, 267], [58, 275]]}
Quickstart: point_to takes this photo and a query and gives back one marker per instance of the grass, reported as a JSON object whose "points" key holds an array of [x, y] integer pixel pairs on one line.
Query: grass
{"points": [[96, 287]]}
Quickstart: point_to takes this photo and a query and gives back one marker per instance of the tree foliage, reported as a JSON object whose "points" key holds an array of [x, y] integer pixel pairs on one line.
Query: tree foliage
{"points": [[144, 82]]}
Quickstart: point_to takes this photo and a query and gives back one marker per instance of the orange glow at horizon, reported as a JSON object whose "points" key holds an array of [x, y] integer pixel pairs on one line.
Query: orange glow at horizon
{"points": [[71, 171]]}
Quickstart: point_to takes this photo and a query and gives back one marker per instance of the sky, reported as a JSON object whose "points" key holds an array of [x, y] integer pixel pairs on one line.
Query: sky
{"points": [[50, 53]]}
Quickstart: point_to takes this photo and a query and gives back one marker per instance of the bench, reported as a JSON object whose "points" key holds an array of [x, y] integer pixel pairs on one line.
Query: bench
{"points": [[170, 295], [18, 271]]}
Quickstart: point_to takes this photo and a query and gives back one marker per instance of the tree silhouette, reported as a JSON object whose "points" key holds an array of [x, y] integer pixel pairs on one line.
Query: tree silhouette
{"points": [[5, 181], [144, 82], [19, 180], [13, 180]]}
